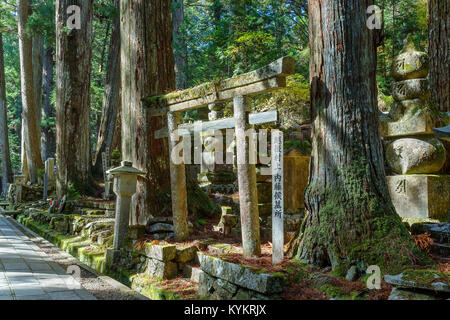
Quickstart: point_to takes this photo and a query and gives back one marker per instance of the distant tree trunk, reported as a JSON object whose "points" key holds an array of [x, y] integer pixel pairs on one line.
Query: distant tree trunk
{"points": [[29, 116], [117, 138], [37, 62], [439, 51], [111, 102], [4, 142], [179, 44], [73, 73], [350, 219], [23, 153], [48, 143], [147, 69]]}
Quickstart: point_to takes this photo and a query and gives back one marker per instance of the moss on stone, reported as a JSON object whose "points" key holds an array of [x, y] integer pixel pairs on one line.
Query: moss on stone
{"points": [[427, 276]]}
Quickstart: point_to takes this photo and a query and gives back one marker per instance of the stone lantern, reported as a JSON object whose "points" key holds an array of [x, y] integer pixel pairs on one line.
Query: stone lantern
{"points": [[125, 179]]}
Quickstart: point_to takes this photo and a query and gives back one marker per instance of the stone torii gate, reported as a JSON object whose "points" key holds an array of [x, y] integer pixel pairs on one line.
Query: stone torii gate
{"points": [[237, 89]]}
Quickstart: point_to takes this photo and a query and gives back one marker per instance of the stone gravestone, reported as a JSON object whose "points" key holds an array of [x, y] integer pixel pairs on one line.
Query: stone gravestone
{"points": [[106, 164], [277, 197], [49, 176], [17, 186], [412, 151], [296, 166]]}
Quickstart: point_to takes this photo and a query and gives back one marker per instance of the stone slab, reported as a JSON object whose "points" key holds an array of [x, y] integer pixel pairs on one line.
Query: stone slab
{"points": [[399, 294], [420, 123], [240, 275], [296, 175], [442, 133], [421, 196], [160, 269], [438, 231], [401, 282], [161, 252], [186, 254]]}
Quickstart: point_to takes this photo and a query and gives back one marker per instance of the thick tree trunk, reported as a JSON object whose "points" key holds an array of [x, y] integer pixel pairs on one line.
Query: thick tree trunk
{"points": [[147, 69], [48, 139], [439, 51], [4, 142], [111, 101], [350, 219], [37, 62], [179, 44], [73, 73], [31, 131]]}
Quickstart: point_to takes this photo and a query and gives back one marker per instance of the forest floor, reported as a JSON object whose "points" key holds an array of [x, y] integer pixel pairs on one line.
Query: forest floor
{"points": [[303, 282]]}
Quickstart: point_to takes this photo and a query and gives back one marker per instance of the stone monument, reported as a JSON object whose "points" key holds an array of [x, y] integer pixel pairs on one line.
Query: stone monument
{"points": [[216, 175], [413, 154]]}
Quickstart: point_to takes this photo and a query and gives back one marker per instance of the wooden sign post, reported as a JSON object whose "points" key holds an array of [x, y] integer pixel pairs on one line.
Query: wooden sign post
{"points": [[277, 197]]}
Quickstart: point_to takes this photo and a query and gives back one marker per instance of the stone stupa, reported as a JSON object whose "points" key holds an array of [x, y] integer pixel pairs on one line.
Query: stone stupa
{"points": [[413, 153]]}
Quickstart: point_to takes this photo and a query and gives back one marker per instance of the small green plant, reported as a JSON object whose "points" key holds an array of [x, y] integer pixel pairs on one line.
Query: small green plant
{"points": [[301, 146], [72, 192], [116, 158], [40, 173]]}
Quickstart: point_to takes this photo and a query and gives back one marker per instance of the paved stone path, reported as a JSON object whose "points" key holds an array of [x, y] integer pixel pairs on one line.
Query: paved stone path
{"points": [[28, 273]]}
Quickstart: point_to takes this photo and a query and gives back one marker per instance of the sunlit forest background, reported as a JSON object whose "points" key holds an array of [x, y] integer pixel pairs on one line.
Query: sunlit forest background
{"points": [[219, 39]]}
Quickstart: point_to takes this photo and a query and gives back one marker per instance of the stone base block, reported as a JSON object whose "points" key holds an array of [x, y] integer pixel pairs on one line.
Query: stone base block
{"points": [[421, 196], [161, 252], [163, 270], [136, 232], [420, 123], [112, 257]]}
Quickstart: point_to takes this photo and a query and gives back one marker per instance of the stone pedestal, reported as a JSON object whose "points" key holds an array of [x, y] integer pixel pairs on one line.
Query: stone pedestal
{"points": [[421, 196]]}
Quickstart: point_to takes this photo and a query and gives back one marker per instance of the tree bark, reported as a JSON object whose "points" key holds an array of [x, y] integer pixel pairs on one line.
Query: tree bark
{"points": [[37, 63], [4, 142], [29, 116], [73, 73], [48, 139], [179, 44], [111, 101], [439, 52], [147, 69], [350, 217]]}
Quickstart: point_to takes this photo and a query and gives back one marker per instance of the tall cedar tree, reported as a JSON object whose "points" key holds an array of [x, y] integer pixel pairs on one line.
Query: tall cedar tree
{"points": [[4, 141], [147, 69], [30, 130], [439, 51], [350, 219], [73, 70]]}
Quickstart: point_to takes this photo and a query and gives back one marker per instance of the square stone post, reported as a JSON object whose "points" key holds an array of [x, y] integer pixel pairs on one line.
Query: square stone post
{"points": [[125, 179], [49, 175], [177, 181], [248, 194], [277, 197]]}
